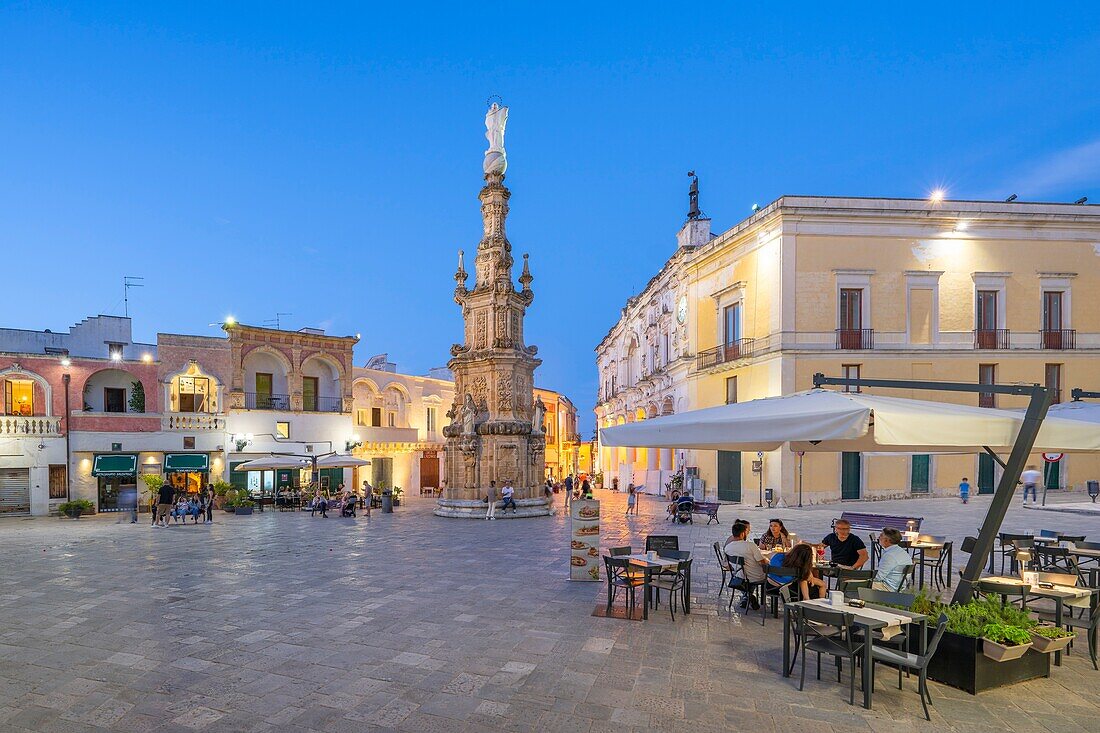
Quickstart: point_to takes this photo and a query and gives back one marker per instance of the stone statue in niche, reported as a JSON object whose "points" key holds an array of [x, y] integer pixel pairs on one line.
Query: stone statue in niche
{"points": [[539, 418], [469, 414]]}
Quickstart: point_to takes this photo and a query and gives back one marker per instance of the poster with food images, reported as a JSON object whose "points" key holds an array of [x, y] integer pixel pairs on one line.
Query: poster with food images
{"points": [[584, 540]]}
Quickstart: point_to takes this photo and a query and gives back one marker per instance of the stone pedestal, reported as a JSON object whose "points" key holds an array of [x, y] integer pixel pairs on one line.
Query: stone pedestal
{"points": [[475, 509]]}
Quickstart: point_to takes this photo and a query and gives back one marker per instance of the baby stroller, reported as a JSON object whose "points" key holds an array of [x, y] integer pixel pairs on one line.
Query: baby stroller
{"points": [[684, 506], [347, 508]]}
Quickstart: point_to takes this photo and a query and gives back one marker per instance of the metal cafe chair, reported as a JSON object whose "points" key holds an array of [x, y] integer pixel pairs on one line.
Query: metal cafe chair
{"points": [[723, 565], [619, 577], [915, 662], [674, 582], [828, 632], [749, 588]]}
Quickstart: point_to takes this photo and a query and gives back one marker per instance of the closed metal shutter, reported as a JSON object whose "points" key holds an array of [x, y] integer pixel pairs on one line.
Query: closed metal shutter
{"points": [[15, 490]]}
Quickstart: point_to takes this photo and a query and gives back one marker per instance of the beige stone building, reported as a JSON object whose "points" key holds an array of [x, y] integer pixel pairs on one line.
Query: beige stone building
{"points": [[399, 420], [888, 288]]}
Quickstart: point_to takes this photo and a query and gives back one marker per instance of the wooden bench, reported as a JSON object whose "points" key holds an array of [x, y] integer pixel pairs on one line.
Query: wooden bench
{"points": [[708, 508], [876, 523], [860, 520]]}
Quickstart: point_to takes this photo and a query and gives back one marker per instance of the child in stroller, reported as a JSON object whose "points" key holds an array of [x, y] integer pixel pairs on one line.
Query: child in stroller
{"points": [[347, 505]]}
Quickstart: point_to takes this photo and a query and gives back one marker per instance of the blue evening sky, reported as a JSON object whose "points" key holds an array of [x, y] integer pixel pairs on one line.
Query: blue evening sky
{"points": [[324, 160]]}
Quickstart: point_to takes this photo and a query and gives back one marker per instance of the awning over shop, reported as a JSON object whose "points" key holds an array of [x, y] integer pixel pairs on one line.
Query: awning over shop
{"points": [[186, 463], [115, 464]]}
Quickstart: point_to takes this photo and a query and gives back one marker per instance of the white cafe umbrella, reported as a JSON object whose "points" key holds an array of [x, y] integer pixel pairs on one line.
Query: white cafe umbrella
{"points": [[341, 461], [270, 463], [823, 420]]}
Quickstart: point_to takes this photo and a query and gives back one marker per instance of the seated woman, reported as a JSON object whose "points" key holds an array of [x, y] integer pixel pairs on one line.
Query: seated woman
{"points": [[776, 538], [801, 558], [194, 508]]}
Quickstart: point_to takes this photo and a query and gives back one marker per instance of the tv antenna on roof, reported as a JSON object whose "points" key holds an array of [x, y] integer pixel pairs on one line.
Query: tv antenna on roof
{"points": [[129, 281], [277, 321]]}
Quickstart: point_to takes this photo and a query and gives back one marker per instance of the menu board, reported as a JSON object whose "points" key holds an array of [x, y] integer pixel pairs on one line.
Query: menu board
{"points": [[584, 540]]}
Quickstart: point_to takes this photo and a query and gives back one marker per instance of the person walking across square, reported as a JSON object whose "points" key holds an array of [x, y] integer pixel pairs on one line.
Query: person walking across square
{"points": [[491, 500], [1031, 478], [964, 491]]}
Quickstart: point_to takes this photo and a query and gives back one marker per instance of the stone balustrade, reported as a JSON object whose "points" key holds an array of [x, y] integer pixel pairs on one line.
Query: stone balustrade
{"points": [[16, 426], [192, 421]]}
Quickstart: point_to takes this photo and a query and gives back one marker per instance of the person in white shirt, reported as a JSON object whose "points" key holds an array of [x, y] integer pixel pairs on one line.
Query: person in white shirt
{"points": [[892, 563], [507, 499], [739, 545], [1031, 478]]}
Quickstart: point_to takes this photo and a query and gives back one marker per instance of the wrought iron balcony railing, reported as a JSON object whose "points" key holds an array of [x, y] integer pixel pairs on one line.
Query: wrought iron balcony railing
{"points": [[724, 353], [992, 338], [265, 401], [1058, 338], [855, 338]]}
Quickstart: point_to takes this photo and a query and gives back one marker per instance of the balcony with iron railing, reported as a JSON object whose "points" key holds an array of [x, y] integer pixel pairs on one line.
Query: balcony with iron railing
{"points": [[193, 421], [725, 353], [853, 339], [992, 338], [266, 401], [1058, 338], [323, 404]]}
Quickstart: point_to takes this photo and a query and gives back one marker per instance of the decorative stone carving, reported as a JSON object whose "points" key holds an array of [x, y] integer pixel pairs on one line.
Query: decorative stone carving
{"points": [[505, 401]]}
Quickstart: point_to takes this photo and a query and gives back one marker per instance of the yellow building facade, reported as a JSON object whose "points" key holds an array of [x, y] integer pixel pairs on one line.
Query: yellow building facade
{"points": [[884, 288]]}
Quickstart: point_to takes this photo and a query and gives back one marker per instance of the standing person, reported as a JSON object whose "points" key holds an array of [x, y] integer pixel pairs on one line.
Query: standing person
{"points": [[491, 500], [368, 491], [1031, 478], [568, 488], [964, 490], [209, 504], [549, 491], [506, 494], [165, 497], [631, 500], [586, 489]]}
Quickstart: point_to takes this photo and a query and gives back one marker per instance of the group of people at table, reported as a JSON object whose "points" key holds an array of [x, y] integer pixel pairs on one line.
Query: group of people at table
{"points": [[777, 547]]}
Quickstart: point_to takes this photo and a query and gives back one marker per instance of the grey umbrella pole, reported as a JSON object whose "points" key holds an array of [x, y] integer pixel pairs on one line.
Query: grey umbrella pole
{"points": [[1006, 489]]}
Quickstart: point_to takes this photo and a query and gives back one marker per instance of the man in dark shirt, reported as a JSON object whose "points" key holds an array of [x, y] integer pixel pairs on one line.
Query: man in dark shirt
{"points": [[165, 497], [845, 548]]}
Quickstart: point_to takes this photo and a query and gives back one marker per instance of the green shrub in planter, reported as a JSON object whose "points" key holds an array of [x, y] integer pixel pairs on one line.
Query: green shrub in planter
{"points": [[76, 507], [1050, 639]]}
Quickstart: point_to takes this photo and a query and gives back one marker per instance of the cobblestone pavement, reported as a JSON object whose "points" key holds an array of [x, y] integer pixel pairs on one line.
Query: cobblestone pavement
{"points": [[416, 623]]}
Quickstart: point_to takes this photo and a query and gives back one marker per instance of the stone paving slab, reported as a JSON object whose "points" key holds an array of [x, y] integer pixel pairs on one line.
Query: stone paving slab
{"points": [[410, 622]]}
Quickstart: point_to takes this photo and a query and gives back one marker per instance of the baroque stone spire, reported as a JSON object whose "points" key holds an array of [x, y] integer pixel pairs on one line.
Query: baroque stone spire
{"points": [[491, 437]]}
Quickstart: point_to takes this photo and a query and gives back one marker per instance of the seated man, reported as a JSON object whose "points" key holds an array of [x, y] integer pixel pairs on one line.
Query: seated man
{"points": [[846, 549], [740, 546], [892, 563], [507, 498]]}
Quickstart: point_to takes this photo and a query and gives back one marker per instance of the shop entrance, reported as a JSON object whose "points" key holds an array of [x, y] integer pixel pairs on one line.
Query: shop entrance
{"points": [[15, 490], [191, 483]]}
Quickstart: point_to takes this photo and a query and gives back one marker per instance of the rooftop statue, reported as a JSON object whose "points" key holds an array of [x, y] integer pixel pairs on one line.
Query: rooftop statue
{"points": [[496, 160]]}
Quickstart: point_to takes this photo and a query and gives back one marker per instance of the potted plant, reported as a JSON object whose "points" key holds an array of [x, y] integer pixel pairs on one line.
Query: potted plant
{"points": [[221, 488], [73, 509], [961, 661], [397, 491], [1048, 638], [1003, 642], [152, 482], [243, 506]]}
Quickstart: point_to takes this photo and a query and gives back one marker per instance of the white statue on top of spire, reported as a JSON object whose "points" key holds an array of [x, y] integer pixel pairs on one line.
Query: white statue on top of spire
{"points": [[496, 160]]}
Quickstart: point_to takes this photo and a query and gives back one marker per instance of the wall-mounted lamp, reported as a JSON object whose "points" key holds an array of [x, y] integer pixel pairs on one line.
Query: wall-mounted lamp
{"points": [[352, 442]]}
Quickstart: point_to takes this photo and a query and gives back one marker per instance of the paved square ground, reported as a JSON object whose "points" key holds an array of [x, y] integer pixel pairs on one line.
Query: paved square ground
{"points": [[415, 623]]}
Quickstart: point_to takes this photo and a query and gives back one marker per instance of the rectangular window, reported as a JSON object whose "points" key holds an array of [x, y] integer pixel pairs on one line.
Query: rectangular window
{"points": [[391, 419], [58, 481], [19, 397], [732, 323], [309, 394], [986, 317], [1053, 381], [114, 351], [429, 420], [987, 374], [114, 399], [731, 390], [189, 442], [282, 429], [920, 315], [851, 309], [1052, 310], [376, 417], [193, 392], [362, 417], [851, 371]]}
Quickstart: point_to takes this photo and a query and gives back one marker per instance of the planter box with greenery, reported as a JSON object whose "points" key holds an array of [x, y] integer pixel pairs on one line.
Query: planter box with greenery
{"points": [[238, 501], [73, 509], [962, 660], [1048, 639], [1005, 642]]}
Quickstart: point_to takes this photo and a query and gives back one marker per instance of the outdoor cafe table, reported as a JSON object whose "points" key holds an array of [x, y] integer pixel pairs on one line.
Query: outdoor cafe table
{"points": [[1062, 595], [871, 617], [649, 566], [922, 548]]}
